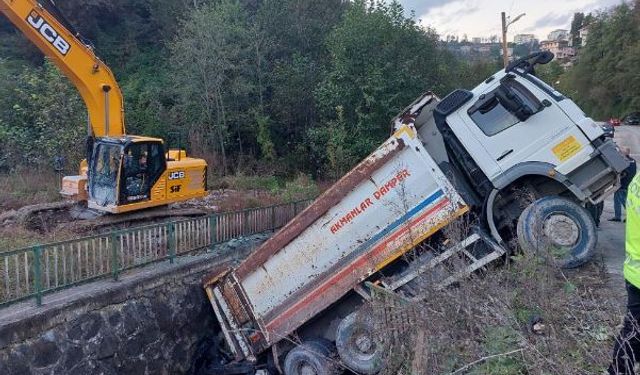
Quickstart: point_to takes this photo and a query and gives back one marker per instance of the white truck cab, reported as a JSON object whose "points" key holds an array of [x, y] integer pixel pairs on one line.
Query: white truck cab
{"points": [[513, 131]]}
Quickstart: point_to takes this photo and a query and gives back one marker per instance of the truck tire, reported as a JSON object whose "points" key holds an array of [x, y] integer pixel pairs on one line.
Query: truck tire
{"points": [[311, 358], [559, 227], [357, 345]]}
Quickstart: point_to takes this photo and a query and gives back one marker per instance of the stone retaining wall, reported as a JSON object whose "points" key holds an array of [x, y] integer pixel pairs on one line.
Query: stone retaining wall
{"points": [[150, 322]]}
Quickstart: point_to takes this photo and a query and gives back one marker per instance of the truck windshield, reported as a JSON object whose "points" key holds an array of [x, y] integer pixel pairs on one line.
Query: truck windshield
{"points": [[103, 182]]}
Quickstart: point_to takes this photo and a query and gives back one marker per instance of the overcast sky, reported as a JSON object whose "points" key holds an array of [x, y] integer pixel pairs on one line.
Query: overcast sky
{"points": [[481, 18]]}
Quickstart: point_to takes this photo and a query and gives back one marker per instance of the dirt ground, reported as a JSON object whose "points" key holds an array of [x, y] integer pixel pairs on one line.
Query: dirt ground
{"points": [[232, 193], [59, 225]]}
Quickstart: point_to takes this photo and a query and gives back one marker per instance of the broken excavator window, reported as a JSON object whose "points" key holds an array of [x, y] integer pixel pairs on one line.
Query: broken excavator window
{"points": [[104, 180]]}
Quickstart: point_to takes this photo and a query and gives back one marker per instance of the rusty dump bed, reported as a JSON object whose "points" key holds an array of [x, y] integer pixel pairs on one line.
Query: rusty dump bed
{"points": [[387, 204]]}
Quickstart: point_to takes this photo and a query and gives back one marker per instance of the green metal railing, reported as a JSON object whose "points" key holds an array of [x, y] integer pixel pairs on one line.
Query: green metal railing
{"points": [[38, 270]]}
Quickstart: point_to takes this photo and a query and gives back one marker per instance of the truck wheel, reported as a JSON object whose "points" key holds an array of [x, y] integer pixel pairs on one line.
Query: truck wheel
{"points": [[357, 345], [559, 227], [310, 358]]}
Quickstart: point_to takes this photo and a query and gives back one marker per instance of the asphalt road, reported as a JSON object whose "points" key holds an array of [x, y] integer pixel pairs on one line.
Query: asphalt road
{"points": [[611, 234]]}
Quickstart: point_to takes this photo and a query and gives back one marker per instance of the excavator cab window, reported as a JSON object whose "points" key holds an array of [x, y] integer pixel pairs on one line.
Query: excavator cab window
{"points": [[103, 182], [143, 164]]}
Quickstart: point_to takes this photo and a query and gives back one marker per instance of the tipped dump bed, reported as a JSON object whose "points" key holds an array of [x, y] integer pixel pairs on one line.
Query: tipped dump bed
{"points": [[382, 208]]}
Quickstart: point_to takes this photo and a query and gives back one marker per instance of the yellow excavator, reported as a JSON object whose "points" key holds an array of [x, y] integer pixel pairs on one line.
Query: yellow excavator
{"points": [[122, 173]]}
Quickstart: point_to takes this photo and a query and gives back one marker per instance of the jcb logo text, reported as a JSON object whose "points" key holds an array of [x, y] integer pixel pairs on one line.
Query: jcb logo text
{"points": [[48, 32], [176, 175]]}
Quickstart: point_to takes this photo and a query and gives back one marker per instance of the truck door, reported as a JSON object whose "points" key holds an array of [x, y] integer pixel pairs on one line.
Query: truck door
{"points": [[515, 122]]}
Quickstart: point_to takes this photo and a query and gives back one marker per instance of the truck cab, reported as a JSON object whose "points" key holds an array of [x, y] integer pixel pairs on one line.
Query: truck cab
{"points": [[513, 131]]}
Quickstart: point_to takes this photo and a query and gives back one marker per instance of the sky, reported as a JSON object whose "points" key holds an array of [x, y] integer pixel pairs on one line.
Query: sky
{"points": [[481, 18]]}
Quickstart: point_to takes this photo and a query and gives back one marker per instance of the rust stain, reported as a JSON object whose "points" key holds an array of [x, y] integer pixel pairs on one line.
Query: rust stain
{"points": [[409, 115], [217, 273], [235, 304], [318, 208], [241, 313]]}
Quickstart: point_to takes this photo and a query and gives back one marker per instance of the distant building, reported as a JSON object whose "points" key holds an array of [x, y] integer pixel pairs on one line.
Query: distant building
{"points": [[524, 38], [583, 33], [525, 49], [559, 34], [484, 48], [509, 51], [560, 48], [475, 51], [476, 40]]}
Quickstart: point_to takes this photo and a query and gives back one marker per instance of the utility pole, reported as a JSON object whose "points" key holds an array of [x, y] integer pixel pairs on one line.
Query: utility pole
{"points": [[505, 51], [505, 26]]}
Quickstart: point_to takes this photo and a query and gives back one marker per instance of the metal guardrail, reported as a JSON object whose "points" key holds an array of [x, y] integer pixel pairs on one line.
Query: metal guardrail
{"points": [[35, 271]]}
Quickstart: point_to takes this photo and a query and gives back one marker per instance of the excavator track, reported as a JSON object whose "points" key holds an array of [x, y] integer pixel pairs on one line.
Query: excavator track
{"points": [[47, 217], [126, 219]]}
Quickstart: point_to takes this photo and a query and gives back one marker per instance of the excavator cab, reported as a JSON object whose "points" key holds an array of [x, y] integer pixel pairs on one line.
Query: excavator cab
{"points": [[124, 170]]}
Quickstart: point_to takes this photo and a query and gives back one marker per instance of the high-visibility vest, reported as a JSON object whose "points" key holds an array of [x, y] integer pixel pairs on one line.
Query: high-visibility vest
{"points": [[632, 245]]}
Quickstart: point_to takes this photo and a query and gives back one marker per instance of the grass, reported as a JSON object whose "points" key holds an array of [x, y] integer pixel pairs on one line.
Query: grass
{"points": [[300, 187], [230, 193], [16, 237], [27, 186], [245, 182], [497, 340], [240, 191], [525, 317]]}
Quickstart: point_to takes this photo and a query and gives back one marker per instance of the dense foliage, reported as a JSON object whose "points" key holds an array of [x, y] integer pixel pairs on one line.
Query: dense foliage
{"points": [[253, 85], [41, 116], [605, 80]]}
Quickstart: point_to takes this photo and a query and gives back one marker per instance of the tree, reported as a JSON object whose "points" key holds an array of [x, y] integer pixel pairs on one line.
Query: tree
{"points": [[604, 80], [550, 72], [41, 117], [381, 61], [576, 24], [296, 60], [209, 55], [340, 156], [241, 82]]}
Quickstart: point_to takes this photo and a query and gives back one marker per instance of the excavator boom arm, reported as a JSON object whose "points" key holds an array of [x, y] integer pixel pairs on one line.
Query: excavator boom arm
{"points": [[93, 79]]}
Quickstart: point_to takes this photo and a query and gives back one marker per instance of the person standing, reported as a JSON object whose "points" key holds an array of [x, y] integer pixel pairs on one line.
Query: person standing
{"points": [[596, 211], [620, 196], [626, 351]]}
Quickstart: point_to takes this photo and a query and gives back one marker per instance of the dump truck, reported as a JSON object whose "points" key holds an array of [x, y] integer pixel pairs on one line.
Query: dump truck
{"points": [[513, 160]]}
